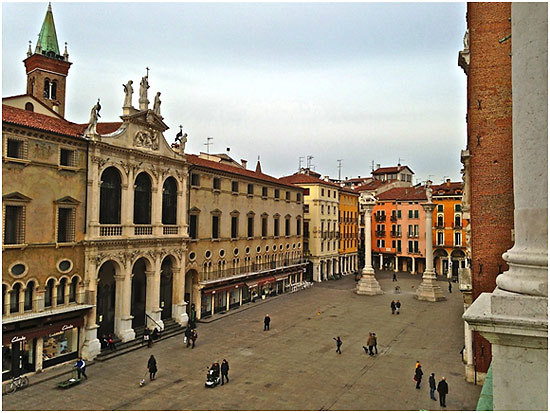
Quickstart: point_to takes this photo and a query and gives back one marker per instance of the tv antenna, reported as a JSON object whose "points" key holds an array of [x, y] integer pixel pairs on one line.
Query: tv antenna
{"points": [[300, 159], [308, 161], [339, 168], [208, 143]]}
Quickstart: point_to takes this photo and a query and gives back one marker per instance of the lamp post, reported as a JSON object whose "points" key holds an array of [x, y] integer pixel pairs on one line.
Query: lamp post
{"points": [[368, 285]]}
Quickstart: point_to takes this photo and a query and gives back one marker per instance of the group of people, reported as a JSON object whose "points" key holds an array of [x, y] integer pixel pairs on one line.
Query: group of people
{"points": [[395, 307], [149, 336], [216, 369], [442, 387], [372, 343], [190, 336], [108, 342]]}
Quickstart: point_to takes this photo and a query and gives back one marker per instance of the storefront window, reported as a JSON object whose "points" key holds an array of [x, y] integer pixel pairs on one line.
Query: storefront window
{"points": [[234, 298], [60, 344], [17, 358], [220, 301], [206, 305]]}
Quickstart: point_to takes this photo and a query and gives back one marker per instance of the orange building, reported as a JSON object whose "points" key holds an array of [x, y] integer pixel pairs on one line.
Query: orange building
{"points": [[449, 243], [348, 210]]}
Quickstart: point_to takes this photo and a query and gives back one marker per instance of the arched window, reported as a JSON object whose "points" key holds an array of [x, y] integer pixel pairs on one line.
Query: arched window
{"points": [[29, 293], [53, 90], [169, 202], [47, 88], [72, 289], [109, 204], [142, 199], [29, 106], [458, 221], [48, 294], [14, 298], [61, 291], [440, 221]]}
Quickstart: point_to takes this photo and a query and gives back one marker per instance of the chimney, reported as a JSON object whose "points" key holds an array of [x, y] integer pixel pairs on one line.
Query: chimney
{"points": [[448, 181], [326, 178], [243, 163], [359, 176], [258, 167], [377, 166]]}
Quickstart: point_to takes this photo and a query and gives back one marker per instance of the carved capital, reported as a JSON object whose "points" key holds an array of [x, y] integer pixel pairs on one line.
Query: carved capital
{"points": [[100, 161]]}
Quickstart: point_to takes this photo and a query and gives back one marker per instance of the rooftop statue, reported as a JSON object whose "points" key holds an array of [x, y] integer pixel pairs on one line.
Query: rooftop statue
{"points": [[128, 90]]}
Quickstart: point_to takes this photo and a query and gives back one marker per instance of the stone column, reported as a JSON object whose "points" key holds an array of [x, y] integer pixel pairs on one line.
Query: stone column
{"points": [[368, 285], [429, 290], [7, 301], [93, 182], [156, 208], [152, 298], [179, 306], [123, 305], [514, 317], [91, 346]]}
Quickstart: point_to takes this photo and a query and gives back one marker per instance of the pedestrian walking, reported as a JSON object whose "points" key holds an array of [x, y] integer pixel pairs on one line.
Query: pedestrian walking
{"points": [[152, 367], [394, 277], [146, 333], [431, 380], [442, 389], [393, 307], [187, 335], [397, 306], [418, 373], [375, 343], [338, 344], [267, 320], [111, 341], [450, 287], [370, 344], [80, 366], [225, 370], [194, 337]]}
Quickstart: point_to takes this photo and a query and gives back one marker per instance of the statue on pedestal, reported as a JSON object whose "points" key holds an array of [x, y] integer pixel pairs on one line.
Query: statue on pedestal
{"points": [[94, 115], [156, 104], [128, 90]]}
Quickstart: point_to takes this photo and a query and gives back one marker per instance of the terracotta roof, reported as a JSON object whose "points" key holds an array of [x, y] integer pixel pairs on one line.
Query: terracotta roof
{"points": [[357, 180], [49, 124], [299, 178], [349, 190], [35, 100], [391, 170], [371, 185], [195, 160], [447, 188], [409, 193]]}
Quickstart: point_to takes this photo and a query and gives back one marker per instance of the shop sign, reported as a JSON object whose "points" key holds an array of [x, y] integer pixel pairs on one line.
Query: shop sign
{"points": [[67, 327], [18, 338]]}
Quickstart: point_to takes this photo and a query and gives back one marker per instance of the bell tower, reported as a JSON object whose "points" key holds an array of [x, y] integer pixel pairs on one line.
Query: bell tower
{"points": [[46, 68]]}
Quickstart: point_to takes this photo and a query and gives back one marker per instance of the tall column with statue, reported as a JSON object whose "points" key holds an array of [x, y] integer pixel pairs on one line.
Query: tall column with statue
{"points": [[368, 285], [429, 290]]}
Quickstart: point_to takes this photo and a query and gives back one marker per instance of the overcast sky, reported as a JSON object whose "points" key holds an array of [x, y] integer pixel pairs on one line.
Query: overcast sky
{"points": [[360, 82]]}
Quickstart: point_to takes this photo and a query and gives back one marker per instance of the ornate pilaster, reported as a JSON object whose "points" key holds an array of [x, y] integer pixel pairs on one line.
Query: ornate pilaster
{"points": [[429, 290], [179, 308], [123, 306], [91, 346], [368, 285]]}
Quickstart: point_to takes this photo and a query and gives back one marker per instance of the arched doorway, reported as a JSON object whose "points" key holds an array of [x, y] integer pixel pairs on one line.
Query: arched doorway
{"points": [[106, 298], [166, 282], [457, 257], [139, 293], [440, 261]]}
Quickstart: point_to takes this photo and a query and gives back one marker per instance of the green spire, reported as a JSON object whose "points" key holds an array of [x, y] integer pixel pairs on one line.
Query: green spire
{"points": [[47, 39]]}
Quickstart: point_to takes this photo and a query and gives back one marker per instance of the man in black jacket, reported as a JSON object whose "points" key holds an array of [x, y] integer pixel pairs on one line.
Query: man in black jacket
{"points": [[267, 320], [432, 386], [225, 370], [442, 389], [418, 373]]}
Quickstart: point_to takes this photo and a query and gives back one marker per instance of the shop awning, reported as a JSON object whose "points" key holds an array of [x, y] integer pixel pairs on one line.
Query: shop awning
{"points": [[27, 334], [221, 288], [280, 277], [260, 281]]}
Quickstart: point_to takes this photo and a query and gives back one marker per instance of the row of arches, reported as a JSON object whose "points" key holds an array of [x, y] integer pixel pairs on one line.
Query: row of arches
{"points": [[111, 197]]}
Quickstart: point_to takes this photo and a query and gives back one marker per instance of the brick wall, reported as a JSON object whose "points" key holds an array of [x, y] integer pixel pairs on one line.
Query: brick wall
{"points": [[490, 146]]}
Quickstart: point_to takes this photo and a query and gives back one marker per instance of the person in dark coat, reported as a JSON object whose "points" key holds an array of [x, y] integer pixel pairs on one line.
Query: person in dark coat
{"points": [[194, 337], [442, 389], [393, 307], [418, 373], [397, 306], [375, 340], [111, 341], [267, 320], [188, 333], [152, 367], [394, 277], [338, 344], [225, 370], [215, 369], [156, 334], [450, 287], [432, 386]]}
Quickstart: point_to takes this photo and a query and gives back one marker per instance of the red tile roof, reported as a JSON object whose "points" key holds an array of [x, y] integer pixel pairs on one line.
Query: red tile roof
{"points": [[371, 185], [391, 170], [35, 100], [447, 188], [195, 160], [410, 193], [349, 190], [299, 178], [49, 124]]}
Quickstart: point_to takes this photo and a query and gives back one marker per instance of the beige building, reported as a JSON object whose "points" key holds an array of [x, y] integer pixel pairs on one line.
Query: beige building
{"points": [[245, 231], [321, 212]]}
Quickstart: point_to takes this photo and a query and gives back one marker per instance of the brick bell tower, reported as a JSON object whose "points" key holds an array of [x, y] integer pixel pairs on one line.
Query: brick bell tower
{"points": [[47, 69]]}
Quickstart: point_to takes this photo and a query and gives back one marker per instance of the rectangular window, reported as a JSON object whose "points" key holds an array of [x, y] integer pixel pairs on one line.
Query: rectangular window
{"points": [[264, 191], [215, 226], [415, 246], [264, 226], [393, 244], [322, 209], [410, 213], [299, 197], [410, 231], [306, 208], [235, 187], [66, 224], [416, 213], [250, 189], [287, 196], [276, 226], [383, 243], [322, 246], [16, 149], [410, 246], [234, 227], [250, 227], [440, 238], [14, 225], [195, 180], [67, 157], [398, 245], [322, 192], [398, 213], [193, 226], [217, 183], [276, 194], [458, 238], [287, 227], [416, 231], [440, 208], [298, 226]]}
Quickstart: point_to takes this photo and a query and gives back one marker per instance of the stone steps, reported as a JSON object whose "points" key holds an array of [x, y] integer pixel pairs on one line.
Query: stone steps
{"points": [[171, 329]]}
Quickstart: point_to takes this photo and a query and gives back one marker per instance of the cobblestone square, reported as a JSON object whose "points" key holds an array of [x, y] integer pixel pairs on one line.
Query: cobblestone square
{"points": [[293, 366]]}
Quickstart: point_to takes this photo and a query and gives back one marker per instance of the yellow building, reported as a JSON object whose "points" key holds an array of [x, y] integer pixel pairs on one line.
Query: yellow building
{"points": [[348, 210], [449, 244]]}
